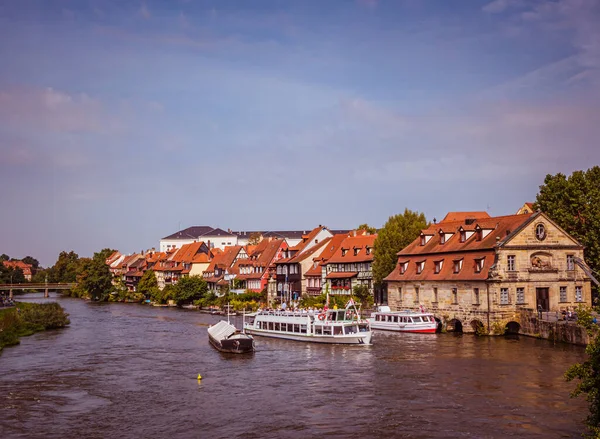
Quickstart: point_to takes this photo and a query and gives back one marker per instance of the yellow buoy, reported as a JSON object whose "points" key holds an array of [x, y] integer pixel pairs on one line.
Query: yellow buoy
{"points": [[199, 377]]}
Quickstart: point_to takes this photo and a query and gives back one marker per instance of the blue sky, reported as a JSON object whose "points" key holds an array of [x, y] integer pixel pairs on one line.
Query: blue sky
{"points": [[121, 121]]}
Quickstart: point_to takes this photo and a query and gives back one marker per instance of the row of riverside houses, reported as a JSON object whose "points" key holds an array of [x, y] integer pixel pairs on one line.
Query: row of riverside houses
{"points": [[470, 269], [286, 267], [476, 271]]}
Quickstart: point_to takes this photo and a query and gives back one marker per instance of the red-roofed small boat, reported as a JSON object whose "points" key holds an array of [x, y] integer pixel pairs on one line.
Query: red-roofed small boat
{"points": [[403, 321]]}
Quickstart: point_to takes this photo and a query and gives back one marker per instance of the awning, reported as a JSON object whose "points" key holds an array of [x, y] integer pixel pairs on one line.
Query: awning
{"points": [[342, 275]]}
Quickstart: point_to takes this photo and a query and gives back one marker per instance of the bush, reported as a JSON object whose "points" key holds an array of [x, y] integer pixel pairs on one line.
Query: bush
{"points": [[28, 318]]}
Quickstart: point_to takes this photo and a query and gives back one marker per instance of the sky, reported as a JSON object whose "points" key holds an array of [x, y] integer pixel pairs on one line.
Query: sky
{"points": [[122, 121]]}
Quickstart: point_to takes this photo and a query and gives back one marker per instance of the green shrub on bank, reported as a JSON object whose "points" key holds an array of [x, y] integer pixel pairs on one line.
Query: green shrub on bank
{"points": [[28, 318]]}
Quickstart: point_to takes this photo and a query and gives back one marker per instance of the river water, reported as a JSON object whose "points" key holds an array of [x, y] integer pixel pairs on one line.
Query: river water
{"points": [[130, 371]]}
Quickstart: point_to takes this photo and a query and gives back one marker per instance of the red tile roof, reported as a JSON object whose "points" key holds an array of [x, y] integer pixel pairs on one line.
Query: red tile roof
{"points": [[345, 252], [501, 227], [187, 252], [462, 216]]}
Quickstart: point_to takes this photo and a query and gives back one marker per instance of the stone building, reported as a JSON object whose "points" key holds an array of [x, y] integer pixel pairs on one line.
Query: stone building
{"points": [[475, 271]]}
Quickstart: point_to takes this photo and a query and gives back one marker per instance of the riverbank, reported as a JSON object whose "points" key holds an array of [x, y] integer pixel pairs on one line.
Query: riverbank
{"points": [[25, 319]]}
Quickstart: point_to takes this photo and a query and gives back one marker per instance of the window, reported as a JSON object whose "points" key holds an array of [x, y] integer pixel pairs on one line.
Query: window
{"points": [[578, 294], [504, 296], [422, 240], [438, 266], [479, 263], [457, 266], [476, 296], [510, 262], [442, 238], [570, 263], [356, 251], [403, 266], [454, 295], [344, 252], [563, 294], [368, 251], [416, 294], [520, 295], [435, 294], [400, 294], [478, 234], [420, 267], [463, 236]]}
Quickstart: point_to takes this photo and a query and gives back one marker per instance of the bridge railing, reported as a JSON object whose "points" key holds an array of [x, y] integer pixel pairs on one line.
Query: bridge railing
{"points": [[37, 286]]}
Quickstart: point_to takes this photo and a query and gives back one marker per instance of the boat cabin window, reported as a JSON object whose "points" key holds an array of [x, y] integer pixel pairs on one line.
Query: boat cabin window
{"points": [[416, 319], [363, 328], [326, 330], [318, 330], [395, 319], [271, 326], [350, 329], [337, 330], [303, 329]]}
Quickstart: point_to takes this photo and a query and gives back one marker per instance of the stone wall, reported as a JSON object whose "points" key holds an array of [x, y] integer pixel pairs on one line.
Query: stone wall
{"points": [[558, 331]]}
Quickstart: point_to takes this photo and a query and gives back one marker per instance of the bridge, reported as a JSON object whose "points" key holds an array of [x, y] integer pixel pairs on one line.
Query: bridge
{"points": [[36, 286]]}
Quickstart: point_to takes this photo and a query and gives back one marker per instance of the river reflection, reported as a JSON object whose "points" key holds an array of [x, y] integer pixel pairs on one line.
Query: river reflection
{"points": [[129, 371]]}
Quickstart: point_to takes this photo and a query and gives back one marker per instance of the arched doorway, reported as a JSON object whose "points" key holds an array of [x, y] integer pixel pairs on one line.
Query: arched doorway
{"points": [[454, 325], [478, 327], [512, 328]]}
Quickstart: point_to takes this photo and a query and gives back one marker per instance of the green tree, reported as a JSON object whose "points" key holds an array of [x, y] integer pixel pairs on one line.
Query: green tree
{"points": [[32, 261], [368, 228], [574, 203], [4, 257], [190, 288], [95, 279], [363, 295], [588, 372], [66, 268], [399, 231], [254, 238], [148, 285]]}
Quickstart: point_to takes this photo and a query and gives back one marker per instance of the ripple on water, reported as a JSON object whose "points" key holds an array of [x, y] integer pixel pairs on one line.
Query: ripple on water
{"points": [[127, 371]]}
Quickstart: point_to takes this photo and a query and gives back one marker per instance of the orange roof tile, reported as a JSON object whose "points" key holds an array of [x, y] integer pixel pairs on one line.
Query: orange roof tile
{"points": [[351, 245], [462, 216], [501, 227]]}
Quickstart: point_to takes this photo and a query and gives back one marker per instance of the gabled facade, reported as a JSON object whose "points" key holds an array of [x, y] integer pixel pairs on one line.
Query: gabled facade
{"points": [[295, 261], [351, 264], [178, 263], [316, 274], [255, 270], [219, 272], [479, 272]]}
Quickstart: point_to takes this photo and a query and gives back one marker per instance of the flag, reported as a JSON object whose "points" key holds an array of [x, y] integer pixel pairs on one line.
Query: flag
{"points": [[350, 303]]}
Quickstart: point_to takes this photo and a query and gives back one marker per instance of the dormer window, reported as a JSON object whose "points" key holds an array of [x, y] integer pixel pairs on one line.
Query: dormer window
{"points": [[479, 264], [420, 266], [478, 234], [442, 237], [457, 266], [463, 236], [344, 250], [422, 240], [438, 266], [368, 250], [356, 250], [403, 267]]}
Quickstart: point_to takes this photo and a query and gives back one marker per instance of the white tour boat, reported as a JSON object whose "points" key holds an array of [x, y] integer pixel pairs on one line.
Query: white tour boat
{"points": [[403, 321], [340, 326]]}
